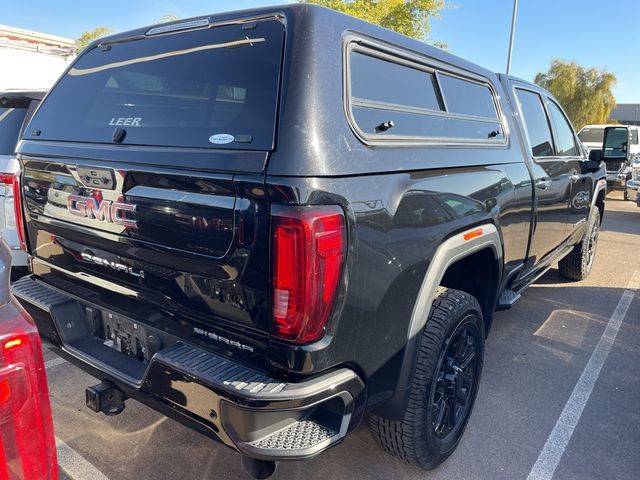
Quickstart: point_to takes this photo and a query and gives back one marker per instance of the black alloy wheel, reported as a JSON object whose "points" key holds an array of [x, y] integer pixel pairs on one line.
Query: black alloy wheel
{"points": [[456, 380], [592, 243], [444, 384], [578, 263]]}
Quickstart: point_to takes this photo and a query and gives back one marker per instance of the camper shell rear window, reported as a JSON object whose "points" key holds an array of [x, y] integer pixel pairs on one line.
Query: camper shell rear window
{"points": [[213, 87]]}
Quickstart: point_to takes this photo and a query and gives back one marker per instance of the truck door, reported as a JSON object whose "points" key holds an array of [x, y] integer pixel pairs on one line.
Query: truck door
{"points": [[581, 182], [551, 176]]}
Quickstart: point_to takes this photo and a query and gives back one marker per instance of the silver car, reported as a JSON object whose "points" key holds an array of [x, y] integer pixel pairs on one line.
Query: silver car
{"points": [[16, 108]]}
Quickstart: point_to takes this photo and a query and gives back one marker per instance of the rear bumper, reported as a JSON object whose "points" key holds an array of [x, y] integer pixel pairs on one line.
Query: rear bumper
{"points": [[246, 409]]}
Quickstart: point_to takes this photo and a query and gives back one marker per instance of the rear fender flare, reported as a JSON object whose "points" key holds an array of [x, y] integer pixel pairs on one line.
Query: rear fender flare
{"points": [[450, 251], [453, 249]]}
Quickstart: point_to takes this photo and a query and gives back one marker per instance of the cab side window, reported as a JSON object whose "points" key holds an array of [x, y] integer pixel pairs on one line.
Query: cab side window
{"points": [[536, 123], [566, 143]]}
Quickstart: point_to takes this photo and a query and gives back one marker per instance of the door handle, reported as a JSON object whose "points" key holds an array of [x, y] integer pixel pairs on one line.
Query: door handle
{"points": [[574, 178], [543, 184]]}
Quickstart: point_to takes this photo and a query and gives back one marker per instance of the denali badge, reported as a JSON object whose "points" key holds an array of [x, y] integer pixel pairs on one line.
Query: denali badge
{"points": [[104, 211], [115, 266]]}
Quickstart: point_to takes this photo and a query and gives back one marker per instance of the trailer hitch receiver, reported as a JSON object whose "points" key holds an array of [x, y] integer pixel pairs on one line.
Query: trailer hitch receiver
{"points": [[105, 398]]}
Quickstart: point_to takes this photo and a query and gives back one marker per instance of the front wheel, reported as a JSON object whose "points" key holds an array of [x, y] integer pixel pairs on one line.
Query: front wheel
{"points": [[444, 386], [577, 265]]}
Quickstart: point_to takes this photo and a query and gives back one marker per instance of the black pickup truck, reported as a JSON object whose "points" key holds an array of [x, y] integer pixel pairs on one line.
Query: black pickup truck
{"points": [[269, 224]]}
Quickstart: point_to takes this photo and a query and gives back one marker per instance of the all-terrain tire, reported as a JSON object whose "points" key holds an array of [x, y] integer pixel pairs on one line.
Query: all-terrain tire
{"points": [[414, 439], [577, 265]]}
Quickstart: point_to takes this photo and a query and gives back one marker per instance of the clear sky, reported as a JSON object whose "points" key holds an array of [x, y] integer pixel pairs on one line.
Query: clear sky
{"points": [[599, 33]]}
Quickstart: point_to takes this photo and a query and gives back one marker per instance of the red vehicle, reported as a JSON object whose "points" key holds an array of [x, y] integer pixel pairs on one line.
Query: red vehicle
{"points": [[27, 442]]}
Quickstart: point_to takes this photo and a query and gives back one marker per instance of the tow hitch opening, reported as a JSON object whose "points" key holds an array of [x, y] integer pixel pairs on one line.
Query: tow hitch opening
{"points": [[106, 398]]}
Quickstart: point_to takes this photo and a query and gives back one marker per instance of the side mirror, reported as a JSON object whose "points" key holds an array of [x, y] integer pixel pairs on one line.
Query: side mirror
{"points": [[615, 145], [595, 155]]}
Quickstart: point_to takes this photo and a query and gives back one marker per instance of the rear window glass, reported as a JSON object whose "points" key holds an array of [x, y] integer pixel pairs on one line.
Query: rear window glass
{"points": [[10, 124], [382, 81], [214, 87]]}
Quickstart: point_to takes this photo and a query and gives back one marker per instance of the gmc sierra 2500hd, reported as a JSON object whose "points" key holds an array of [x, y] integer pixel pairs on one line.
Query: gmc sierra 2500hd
{"points": [[268, 224]]}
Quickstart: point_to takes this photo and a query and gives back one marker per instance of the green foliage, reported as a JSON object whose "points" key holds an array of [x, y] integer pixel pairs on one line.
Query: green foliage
{"points": [[409, 17], [585, 94], [87, 37]]}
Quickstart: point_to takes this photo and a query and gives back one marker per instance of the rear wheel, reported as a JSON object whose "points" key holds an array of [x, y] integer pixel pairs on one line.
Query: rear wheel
{"points": [[444, 386], [577, 265]]}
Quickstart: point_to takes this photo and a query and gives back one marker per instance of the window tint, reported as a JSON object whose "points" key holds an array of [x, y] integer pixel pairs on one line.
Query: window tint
{"points": [[399, 101], [566, 146], [469, 98], [536, 124], [382, 81], [10, 124], [182, 89]]}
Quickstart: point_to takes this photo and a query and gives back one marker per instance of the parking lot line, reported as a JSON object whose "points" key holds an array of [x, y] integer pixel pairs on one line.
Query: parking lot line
{"points": [[75, 465], [558, 440]]}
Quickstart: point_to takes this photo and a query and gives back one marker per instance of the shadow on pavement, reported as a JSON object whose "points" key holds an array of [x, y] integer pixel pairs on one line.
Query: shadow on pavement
{"points": [[622, 222]]}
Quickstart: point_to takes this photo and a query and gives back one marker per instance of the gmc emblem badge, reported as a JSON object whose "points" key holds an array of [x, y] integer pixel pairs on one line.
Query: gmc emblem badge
{"points": [[104, 211]]}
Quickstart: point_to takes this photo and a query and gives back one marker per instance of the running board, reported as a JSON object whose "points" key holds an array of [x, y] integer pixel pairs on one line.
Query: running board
{"points": [[508, 299]]}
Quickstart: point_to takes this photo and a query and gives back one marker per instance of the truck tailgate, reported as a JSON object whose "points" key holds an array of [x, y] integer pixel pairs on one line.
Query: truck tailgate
{"points": [[186, 242]]}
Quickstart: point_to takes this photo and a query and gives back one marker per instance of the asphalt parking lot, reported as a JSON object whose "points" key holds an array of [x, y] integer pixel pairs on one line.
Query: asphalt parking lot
{"points": [[559, 396]]}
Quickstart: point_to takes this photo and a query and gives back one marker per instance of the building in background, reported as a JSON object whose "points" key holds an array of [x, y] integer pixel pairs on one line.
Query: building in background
{"points": [[626, 113], [32, 60]]}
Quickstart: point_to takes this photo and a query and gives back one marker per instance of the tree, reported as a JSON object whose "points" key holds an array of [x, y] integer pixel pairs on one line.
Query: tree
{"points": [[87, 37], [409, 17], [585, 94]]}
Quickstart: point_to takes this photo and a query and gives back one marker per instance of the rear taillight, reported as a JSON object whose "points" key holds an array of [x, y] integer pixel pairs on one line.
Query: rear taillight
{"points": [[7, 180], [308, 254], [27, 443], [17, 201], [11, 182]]}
